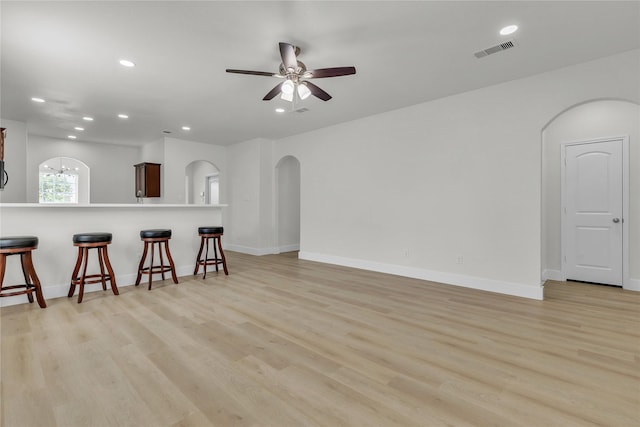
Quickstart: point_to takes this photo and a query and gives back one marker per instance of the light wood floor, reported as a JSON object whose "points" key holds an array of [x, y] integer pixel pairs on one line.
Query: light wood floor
{"points": [[282, 342]]}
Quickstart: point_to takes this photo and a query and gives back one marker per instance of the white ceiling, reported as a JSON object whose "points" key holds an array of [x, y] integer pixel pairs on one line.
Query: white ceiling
{"points": [[404, 52]]}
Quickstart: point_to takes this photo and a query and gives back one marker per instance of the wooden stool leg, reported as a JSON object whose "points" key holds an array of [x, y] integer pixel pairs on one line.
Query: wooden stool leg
{"points": [[141, 265], [112, 277], [101, 262], [171, 264], [3, 266], [74, 275], [151, 265], [85, 258], [195, 272], [215, 252], [27, 282], [161, 259], [206, 257], [31, 272], [224, 260]]}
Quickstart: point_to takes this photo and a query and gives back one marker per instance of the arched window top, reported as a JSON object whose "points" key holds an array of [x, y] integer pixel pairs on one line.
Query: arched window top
{"points": [[63, 180]]}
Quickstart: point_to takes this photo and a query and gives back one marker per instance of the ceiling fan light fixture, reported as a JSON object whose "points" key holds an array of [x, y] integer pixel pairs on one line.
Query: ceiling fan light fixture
{"points": [[303, 91], [287, 87], [287, 96]]}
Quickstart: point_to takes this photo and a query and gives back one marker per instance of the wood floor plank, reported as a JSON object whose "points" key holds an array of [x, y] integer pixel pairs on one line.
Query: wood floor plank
{"points": [[284, 342]]}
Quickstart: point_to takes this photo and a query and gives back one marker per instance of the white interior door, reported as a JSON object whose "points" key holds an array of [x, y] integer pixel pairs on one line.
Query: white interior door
{"points": [[212, 189], [593, 222]]}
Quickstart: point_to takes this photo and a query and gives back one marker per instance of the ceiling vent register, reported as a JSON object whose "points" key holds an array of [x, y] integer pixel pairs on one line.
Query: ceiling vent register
{"points": [[495, 49]]}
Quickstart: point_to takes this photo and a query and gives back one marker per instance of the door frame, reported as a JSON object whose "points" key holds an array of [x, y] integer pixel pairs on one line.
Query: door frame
{"points": [[207, 187], [564, 238]]}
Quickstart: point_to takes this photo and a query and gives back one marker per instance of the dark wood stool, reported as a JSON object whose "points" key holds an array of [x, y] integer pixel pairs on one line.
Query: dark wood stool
{"points": [[150, 238], [84, 242], [22, 246], [206, 234]]}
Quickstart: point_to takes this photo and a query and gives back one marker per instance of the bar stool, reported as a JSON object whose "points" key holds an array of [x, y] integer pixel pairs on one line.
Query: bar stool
{"points": [[84, 242], [207, 233], [152, 237], [22, 246]]}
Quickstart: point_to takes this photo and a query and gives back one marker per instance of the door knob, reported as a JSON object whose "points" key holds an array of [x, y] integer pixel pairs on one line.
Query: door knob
{"points": [[616, 220]]}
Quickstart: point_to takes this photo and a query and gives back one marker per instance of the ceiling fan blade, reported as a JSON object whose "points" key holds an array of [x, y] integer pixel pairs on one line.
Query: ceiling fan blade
{"points": [[253, 73], [329, 72], [288, 55], [273, 92], [317, 92]]}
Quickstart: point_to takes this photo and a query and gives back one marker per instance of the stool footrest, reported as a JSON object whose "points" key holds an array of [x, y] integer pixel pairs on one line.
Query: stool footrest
{"points": [[26, 289], [93, 278], [156, 269]]}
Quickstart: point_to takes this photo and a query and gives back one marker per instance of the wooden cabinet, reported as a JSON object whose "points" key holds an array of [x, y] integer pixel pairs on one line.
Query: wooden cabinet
{"points": [[147, 179]]}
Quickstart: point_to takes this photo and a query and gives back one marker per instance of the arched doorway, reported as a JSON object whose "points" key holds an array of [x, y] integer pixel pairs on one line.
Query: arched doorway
{"points": [[202, 183], [589, 121], [287, 204]]}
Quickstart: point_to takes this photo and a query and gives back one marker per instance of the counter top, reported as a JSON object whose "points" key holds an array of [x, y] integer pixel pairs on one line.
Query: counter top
{"points": [[106, 205]]}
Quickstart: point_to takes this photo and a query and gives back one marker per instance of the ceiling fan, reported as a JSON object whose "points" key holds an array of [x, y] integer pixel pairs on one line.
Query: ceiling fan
{"points": [[296, 75]]}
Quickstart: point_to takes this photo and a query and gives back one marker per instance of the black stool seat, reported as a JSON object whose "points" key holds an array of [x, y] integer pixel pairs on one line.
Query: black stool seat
{"points": [[23, 246], [92, 238], [155, 234], [210, 230], [18, 242]]}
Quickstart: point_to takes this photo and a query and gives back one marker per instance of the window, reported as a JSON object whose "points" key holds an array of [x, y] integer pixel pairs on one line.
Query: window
{"points": [[63, 180], [58, 187]]}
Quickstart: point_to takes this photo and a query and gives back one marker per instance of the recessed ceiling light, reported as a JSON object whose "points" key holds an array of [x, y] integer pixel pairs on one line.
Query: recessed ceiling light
{"points": [[509, 29], [186, 128], [123, 116], [78, 128], [166, 131], [127, 63], [34, 99], [71, 137], [87, 119], [279, 110]]}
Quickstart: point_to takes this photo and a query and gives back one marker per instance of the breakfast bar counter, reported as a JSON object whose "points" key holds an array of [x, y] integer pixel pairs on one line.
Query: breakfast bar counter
{"points": [[55, 225]]}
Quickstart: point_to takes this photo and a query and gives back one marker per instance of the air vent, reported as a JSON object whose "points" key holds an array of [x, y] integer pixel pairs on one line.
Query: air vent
{"points": [[301, 110], [495, 49]]}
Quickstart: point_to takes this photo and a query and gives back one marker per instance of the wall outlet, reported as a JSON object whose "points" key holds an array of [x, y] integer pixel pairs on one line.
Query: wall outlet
{"points": [[459, 259], [405, 253]]}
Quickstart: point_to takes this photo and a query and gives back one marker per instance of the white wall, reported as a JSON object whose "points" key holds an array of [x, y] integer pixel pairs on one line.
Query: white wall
{"points": [[448, 190], [598, 119], [288, 204], [112, 176], [249, 221], [179, 154], [15, 157]]}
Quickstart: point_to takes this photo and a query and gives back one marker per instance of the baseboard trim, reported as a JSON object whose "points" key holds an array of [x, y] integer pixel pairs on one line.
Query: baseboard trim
{"points": [[288, 248], [552, 275], [507, 288], [632, 285], [251, 251], [61, 290]]}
